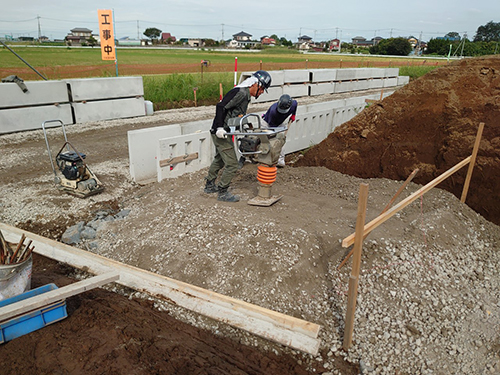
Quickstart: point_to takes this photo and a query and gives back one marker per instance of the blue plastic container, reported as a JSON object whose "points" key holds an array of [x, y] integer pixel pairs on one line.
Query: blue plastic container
{"points": [[34, 320]]}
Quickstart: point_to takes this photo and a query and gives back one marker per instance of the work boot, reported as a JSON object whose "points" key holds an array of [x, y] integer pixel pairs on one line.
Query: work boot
{"points": [[210, 187], [226, 196]]}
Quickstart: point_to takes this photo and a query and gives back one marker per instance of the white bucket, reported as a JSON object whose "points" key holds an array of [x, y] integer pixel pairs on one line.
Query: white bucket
{"points": [[15, 278], [149, 108]]}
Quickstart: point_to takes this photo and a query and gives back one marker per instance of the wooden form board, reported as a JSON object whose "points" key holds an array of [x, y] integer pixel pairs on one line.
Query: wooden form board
{"points": [[348, 241], [293, 332], [44, 299]]}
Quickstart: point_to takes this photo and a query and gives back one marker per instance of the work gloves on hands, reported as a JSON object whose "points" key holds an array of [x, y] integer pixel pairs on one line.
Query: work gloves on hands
{"points": [[221, 133]]}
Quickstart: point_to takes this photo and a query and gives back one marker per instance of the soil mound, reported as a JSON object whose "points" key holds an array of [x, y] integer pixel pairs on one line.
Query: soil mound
{"points": [[429, 124]]}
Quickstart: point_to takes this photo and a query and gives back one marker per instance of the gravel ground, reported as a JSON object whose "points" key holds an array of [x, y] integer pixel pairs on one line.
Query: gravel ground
{"points": [[429, 300]]}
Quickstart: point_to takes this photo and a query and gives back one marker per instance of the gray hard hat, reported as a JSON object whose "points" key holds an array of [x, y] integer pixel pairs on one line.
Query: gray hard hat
{"points": [[264, 78], [284, 103]]}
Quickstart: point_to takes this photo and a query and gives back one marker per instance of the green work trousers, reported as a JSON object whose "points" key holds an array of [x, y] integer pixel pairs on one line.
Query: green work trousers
{"points": [[225, 157]]}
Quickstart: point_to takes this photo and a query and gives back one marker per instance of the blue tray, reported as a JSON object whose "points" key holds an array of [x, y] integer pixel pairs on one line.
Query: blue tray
{"points": [[32, 321]]}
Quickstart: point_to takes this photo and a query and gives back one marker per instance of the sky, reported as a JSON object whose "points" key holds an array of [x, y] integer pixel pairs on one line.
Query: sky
{"points": [[219, 19]]}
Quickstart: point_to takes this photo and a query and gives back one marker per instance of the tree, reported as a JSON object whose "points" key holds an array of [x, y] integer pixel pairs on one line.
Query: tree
{"points": [[152, 33], [453, 35], [488, 33], [392, 46], [438, 47]]}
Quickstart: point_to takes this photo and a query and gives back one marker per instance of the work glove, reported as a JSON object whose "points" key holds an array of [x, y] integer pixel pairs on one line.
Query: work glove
{"points": [[221, 133]]}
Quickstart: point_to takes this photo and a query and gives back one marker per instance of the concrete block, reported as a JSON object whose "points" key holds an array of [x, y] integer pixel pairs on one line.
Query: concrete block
{"points": [[346, 74], [184, 145], [391, 82], [108, 109], [30, 118], [376, 83], [272, 95], [296, 76], [343, 86], [277, 77], [403, 80], [39, 92], [105, 88], [142, 148], [391, 72], [321, 88], [196, 126], [297, 90], [322, 75]]}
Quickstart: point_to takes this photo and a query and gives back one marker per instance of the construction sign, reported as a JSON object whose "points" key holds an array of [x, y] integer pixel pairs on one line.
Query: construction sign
{"points": [[106, 34]]}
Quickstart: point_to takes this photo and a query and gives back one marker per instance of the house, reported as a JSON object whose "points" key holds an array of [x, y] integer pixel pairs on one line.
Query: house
{"points": [[79, 35], [413, 41], [304, 39], [360, 41], [335, 45], [266, 41], [168, 38], [241, 40]]}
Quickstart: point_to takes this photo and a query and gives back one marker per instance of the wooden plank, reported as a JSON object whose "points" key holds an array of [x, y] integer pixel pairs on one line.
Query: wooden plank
{"points": [[178, 159], [36, 302], [348, 241], [472, 162], [410, 177], [356, 265], [296, 333]]}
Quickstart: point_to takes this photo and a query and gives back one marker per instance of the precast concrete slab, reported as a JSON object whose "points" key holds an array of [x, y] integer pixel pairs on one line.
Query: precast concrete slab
{"points": [[196, 126], [322, 75], [391, 72], [321, 88], [376, 83], [105, 88], [346, 74], [403, 80], [108, 109], [296, 76], [272, 95], [391, 82], [142, 149], [277, 77], [29, 118], [39, 93], [197, 149], [343, 86], [297, 90]]}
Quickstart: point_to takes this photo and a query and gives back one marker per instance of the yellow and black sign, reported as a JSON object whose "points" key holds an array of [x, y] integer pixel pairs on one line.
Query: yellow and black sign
{"points": [[107, 34]]}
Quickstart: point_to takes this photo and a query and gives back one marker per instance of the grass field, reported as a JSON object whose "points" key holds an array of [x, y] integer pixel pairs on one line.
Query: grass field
{"points": [[170, 75]]}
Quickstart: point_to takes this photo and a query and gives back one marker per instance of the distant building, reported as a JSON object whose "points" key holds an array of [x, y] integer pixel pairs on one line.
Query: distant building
{"points": [[335, 45], [241, 40], [79, 35], [167, 38], [266, 41], [360, 41]]}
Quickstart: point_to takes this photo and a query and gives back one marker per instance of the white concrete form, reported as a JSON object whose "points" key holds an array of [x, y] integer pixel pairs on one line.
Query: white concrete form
{"points": [[71, 101], [189, 146], [311, 82]]}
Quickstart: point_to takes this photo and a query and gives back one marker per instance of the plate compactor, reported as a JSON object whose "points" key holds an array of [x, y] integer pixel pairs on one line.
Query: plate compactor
{"points": [[75, 176], [260, 146]]}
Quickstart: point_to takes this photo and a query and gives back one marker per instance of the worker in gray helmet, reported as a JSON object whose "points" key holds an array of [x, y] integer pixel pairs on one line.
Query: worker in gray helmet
{"points": [[233, 105], [279, 113]]}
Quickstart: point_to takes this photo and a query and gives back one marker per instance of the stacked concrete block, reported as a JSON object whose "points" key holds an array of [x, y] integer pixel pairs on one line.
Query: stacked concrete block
{"points": [[321, 88], [44, 100], [296, 91], [106, 98], [323, 75], [196, 148], [403, 80], [142, 150]]}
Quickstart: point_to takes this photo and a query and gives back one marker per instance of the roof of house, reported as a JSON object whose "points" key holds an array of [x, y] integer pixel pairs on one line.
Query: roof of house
{"points": [[305, 37], [80, 30], [242, 33]]}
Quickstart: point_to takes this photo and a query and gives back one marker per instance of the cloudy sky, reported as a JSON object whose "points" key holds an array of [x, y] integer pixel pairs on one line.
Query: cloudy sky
{"points": [[217, 19]]}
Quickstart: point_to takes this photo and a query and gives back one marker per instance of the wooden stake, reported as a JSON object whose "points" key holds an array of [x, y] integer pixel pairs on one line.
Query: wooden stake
{"points": [[472, 162], [348, 241], [356, 266], [408, 180]]}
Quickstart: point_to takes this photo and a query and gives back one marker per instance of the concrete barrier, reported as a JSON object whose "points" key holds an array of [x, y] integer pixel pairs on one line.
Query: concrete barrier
{"points": [[71, 101]]}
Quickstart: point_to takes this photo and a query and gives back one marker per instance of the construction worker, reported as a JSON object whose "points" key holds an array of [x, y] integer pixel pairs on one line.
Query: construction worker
{"points": [[233, 105], [285, 108]]}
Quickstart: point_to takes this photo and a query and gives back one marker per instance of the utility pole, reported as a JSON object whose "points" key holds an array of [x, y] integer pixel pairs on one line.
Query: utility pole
{"points": [[222, 25], [390, 34], [138, 35], [39, 29]]}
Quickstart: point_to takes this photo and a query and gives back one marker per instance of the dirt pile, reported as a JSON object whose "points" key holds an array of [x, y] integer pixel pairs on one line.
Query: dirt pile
{"points": [[429, 124]]}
